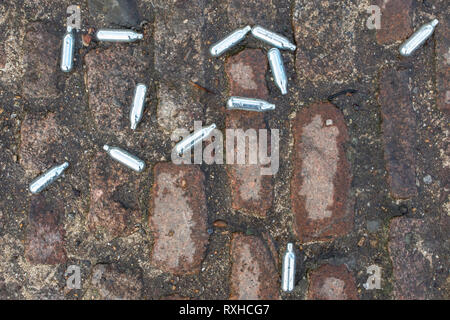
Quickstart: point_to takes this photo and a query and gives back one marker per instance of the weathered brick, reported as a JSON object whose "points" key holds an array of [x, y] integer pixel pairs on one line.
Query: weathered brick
{"points": [[179, 49], [253, 272], [178, 108], [114, 206], [251, 192], [399, 126], [442, 36], [11, 46], [180, 56], [45, 232], [112, 75], [109, 282], [324, 53], [246, 73], [39, 137], [251, 12], [396, 20], [332, 283], [120, 12], [411, 259], [42, 50], [178, 218], [321, 179]]}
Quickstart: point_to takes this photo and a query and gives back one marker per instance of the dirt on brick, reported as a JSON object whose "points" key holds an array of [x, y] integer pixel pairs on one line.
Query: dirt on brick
{"points": [[339, 60]]}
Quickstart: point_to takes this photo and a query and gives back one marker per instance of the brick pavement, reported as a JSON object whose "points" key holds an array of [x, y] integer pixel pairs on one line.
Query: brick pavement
{"points": [[350, 192]]}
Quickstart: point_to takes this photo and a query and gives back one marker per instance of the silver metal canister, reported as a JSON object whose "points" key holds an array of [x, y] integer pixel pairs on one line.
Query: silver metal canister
{"points": [[47, 178]]}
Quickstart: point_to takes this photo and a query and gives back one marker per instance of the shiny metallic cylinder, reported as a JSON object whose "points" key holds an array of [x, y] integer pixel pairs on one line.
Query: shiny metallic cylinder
{"points": [[272, 38], [418, 38], [118, 35], [190, 141], [288, 269], [67, 52], [47, 178], [278, 71], [249, 104], [137, 108], [229, 41], [125, 158]]}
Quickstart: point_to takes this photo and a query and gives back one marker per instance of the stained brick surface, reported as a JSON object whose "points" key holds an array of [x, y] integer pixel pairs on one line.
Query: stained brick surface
{"points": [[114, 207], [396, 20], [253, 273], [45, 232], [332, 283], [110, 282], [324, 47], [412, 260], [178, 218], [321, 179], [352, 188], [112, 75], [41, 61], [246, 73], [442, 35], [399, 125], [251, 191]]}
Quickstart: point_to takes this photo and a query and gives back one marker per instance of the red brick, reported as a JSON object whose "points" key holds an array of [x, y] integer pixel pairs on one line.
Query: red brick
{"points": [[112, 75], [112, 283], [321, 179], [42, 50], [253, 272], [442, 36], [399, 126], [246, 74], [396, 21], [45, 233], [178, 218], [325, 51], [410, 258], [332, 283], [39, 135], [114, 206], [251, 192]]}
